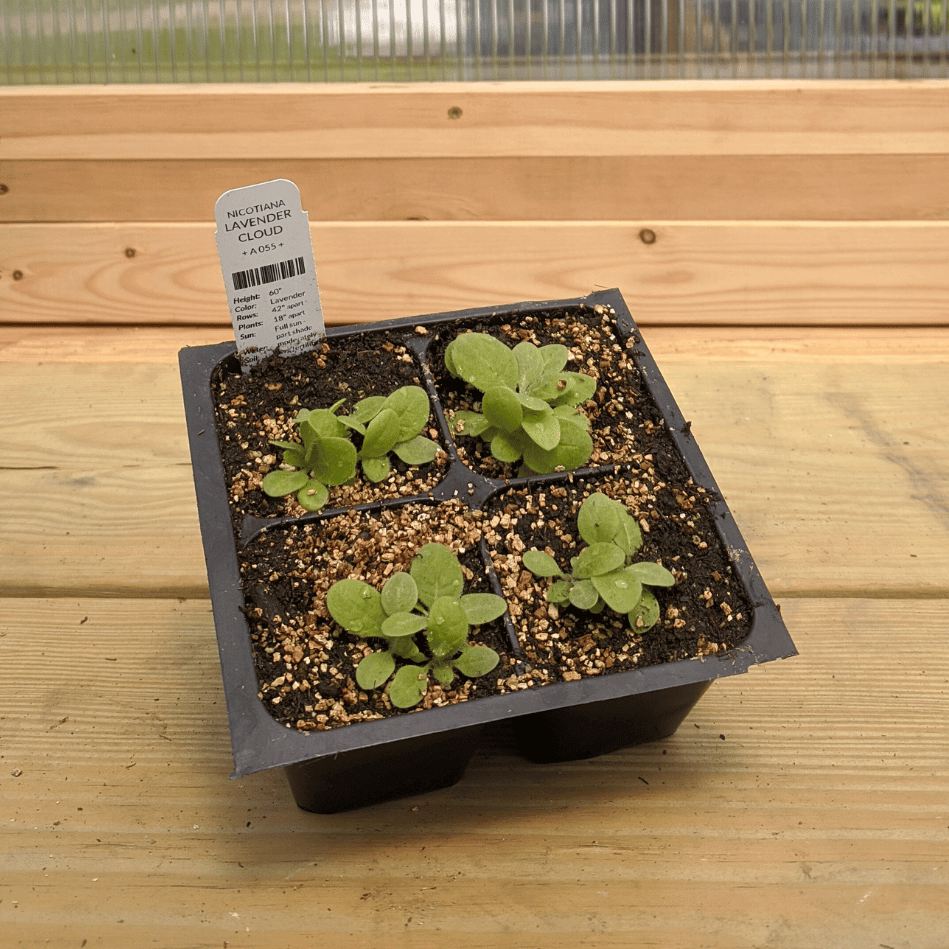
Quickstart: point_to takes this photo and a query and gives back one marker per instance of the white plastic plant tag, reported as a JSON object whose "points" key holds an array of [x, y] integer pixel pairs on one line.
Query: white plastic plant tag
{"points": [[263, 240]]}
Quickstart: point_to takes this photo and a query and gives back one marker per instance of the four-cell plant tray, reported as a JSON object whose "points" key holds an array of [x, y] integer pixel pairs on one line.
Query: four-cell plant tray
{"points": [[573, 685]]}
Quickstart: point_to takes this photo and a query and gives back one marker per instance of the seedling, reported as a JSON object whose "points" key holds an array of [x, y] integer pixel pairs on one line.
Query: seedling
{"points": [[427, 600], [327, 456], [603, 574], [529, 404]]}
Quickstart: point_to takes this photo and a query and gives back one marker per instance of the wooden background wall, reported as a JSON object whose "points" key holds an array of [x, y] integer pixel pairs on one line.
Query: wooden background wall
{"points": [[706, 203]]}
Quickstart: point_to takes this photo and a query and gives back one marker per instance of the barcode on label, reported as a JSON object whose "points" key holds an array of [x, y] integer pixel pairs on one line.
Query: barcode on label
{"points": [[269, 273]]}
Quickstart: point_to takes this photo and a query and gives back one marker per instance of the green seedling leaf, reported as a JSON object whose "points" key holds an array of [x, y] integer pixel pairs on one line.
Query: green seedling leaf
{"points": [[403, 624], [417, 451], [469, 423], [287, 446], [353, 425], [583, 595], [408, 686], [437, 573], [447, 627], [332, 460], [276, 484], [628, 537], [530, 364], [570, 413], [295, 456], [375, 670], [574, 450], [620, 590], [381, 434], [506, 447], [502, 408], [652, 574], [550, 387], [541, 564], [477, 661], [443, 672], [450, 362], [368, 408], [437, 578], [579, 388], [598, 519], [405, 648], [376, 469], [598, 559], [411, 404], [559, 592], [482, 361], [357, 607], [555, 357], [542, 428], [482, 607], [646, 613], [321, 423], [313, 495], [399, 594], [529, 402]]}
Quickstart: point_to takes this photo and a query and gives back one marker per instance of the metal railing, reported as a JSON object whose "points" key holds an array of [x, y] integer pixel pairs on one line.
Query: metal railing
{"points": [[123, 41]]}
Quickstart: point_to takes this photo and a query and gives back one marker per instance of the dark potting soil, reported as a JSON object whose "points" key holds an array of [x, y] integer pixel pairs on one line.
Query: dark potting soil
{"points": [[706, 611], [306, 663], [621, 413], [255, 408]]}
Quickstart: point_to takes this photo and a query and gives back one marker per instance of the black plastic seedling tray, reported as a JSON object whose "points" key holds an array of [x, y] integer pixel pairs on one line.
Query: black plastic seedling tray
{"points": [[373, 761]]}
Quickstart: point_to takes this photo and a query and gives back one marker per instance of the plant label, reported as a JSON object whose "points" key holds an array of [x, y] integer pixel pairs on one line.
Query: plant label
{"points": [[263, 240]]}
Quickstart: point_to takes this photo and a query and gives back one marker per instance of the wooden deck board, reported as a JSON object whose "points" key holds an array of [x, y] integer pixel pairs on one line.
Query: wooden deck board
{"points": [[530, 119], [512, 188], [839, 486], [910, 345], [819, 818], [712, 273], [795, 297]]}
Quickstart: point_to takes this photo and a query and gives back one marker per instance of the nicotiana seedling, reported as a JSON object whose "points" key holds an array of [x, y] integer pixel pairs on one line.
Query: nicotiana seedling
{"points": [[327, 457], [603, 573], [428, 599], [529, 404]]}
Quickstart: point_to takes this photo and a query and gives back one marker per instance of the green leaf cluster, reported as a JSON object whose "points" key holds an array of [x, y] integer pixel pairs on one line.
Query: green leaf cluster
{"points": [[529, 404], [603, 574], [327, 457], [427, 600]]}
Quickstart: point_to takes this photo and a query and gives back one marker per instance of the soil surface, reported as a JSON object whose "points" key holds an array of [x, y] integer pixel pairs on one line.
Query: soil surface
{"points": [[306, 663], [704, 613], [620, 412], [255, 408]]}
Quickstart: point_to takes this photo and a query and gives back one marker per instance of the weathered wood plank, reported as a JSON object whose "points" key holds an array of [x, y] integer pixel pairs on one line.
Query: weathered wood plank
{"points": [[799, 806], [837, 344], [512, 119], [774, 273], [555, 188], [835, 473], [105, 344]]}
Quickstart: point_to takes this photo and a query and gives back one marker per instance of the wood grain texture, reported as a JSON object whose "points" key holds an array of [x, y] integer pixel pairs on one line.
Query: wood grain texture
{"points": [[506, 119], [834, 490], [799, 806], [775, 273], [96, 486], [802, 806], [548, 188], [869, 345]]}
